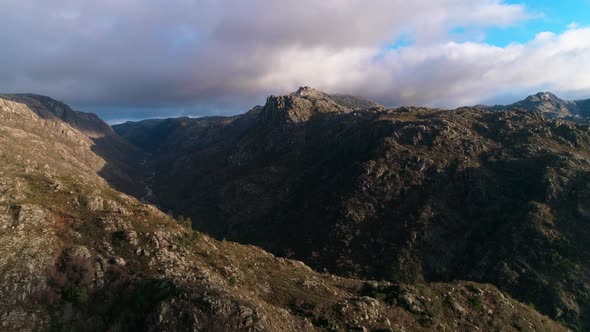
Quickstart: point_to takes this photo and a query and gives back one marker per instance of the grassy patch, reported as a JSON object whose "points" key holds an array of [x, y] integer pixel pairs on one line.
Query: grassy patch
{"points": [[476, 303], [75, 294], [232, 281]]}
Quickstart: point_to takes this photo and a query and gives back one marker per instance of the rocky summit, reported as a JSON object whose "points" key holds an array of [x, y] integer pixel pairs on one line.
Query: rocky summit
{"points": [[373, 219]]}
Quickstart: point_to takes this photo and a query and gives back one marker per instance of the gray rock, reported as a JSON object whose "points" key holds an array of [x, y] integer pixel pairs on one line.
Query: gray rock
{"points": [[457, 307], [131, 237], [79, 251], [29, 214], [117, 261], [94, 203]]}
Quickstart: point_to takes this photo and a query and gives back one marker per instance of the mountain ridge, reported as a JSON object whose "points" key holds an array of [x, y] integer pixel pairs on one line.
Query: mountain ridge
{"points": [[548, 104], [122, 156], [77, 255], [383, 193], [319, 183], [89, 123]]}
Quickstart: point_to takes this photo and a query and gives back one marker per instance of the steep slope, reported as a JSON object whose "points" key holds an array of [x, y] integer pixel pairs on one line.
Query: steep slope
{"points": [[87, 123], [121, 157], [76, 255], [549, 105], [409, 194]]}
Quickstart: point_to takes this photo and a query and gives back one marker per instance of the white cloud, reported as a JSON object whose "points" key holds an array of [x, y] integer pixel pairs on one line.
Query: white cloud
{"points": [[231, 53], [573, 25], [446, 74]]}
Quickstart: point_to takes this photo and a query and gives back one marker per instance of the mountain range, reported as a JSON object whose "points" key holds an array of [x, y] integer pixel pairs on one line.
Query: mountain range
{"points": [[410, 219], [549, 105]]}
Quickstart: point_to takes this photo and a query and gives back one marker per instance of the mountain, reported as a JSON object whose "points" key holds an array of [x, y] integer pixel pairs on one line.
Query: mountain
{"points": [[407, 195], [46, 108], [150, 134], [549, 105], [121, 155], [78, 255], [344, 100]]}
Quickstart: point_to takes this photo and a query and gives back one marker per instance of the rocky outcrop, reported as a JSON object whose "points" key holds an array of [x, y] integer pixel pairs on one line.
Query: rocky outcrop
{"points": [[299, 107]]}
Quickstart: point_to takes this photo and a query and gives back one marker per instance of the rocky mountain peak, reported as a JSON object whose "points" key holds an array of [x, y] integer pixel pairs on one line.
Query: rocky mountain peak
{"points": [[300, 106], [548, 104], [546, 95], [306, 91], [343, 100]]}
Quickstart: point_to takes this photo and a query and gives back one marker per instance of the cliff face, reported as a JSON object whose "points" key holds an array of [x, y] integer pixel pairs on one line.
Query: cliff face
{"points": [[408, 194], [77, 255]]}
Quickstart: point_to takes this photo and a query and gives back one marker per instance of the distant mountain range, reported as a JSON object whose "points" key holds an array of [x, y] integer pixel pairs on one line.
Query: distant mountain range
{"points": [[471, 219], [550, 105]]}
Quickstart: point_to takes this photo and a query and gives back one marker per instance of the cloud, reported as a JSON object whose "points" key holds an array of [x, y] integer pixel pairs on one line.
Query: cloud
{"points": [[206, 56]]}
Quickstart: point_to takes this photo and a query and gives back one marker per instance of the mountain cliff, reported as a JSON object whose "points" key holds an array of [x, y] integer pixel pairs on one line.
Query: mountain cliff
{"points": [[78, 255], [406, 194]]}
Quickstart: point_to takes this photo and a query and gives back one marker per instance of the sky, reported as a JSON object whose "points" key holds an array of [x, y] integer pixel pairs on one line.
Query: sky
{"points": [[136, 59]]}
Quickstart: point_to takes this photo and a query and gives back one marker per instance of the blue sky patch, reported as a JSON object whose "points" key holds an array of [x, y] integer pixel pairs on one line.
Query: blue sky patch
{"points": [[547, 15]]}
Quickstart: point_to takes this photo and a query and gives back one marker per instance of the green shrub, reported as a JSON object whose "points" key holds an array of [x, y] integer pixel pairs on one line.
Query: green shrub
{"points": [[381, 297], [75, 294], [197, 236], [119, 235], [476, 302], [328, 323], [185, 222], [56, 325]]}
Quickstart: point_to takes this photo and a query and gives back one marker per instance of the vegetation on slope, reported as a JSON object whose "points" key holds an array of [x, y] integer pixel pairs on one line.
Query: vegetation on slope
{"points": [[77, 255], [408, 194]]}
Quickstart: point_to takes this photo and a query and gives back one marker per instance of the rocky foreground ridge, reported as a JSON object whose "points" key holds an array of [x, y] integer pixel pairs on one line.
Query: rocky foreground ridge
{"points": [[78, 255], [409, 194]]}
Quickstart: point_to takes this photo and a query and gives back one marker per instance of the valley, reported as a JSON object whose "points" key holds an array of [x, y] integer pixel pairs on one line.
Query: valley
{"points": [[411, 219], [408, 194]]}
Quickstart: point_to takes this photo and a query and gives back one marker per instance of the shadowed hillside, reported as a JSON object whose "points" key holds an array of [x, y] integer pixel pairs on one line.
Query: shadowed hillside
{"points": [[77, 255], [410, 194]]}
